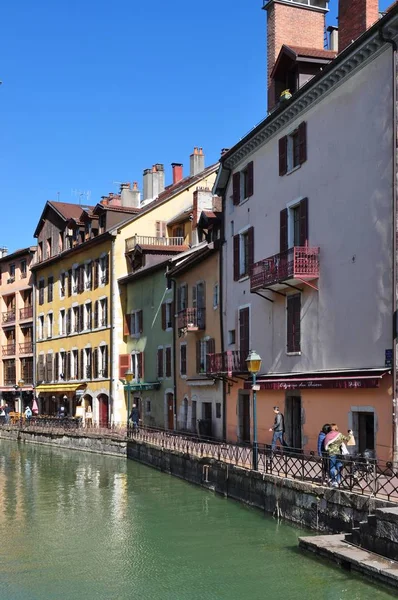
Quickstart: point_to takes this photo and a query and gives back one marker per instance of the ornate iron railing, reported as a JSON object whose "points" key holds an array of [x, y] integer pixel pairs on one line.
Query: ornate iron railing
{"points": [[26, 313], [26, 348], [300, 262], [8, 350], [192, 319]]}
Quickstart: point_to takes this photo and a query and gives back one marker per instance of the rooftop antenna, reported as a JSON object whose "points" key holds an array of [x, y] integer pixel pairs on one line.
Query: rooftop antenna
{"points": [[86, 194]]}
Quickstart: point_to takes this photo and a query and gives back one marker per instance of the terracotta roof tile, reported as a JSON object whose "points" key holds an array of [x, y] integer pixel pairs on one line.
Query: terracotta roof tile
{"points": [[313, 52], [68, 210]]}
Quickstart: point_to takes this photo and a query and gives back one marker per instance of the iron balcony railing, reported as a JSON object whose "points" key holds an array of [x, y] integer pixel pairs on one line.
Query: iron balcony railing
{"points": [[232, 361], [148, 240], [9, 316], [8, 350], [26, 348], [192, 319], [26, 313], [299, 262]]}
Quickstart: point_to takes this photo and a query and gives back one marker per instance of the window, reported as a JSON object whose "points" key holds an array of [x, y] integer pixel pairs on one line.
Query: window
{"points": [[75, 364], [23, 269], [75, 319], [137, 365], [136, 319], [50, 325], [103, 312], [161, 229], [243, 257], [294, 226], [40, 251], [182, 297], [231, 337], [178, 231], [293, 323], [103, 361], [168, 361], [215, 295], [183, 359], [62, 285], [12, 271], [203, 348], [159, 362], [60, 242], [103, 270], [62, 322], [243, 184], [167, 316], [87, 316], [218, 410], [50, 289], [102, 222], [87, 364], [41, 291], [75, 280], [293, 149], [48, 247], [148, 407], [9, 372], [40, 332], [88, 276]]}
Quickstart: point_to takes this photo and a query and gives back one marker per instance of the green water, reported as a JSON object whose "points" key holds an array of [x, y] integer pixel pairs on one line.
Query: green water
{"points": [[82, 526]]}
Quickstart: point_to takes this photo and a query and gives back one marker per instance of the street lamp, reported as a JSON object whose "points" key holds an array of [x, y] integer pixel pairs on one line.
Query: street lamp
{"points": [[129, 376], [253, 362], [18, 387]]}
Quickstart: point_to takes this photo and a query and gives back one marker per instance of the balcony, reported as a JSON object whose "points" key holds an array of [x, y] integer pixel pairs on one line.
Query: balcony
{"points": [[9, 316], [192, 319], [230, 362], [293, 267], [26, 313], [8, 350], [26, 348], [148, 240]]}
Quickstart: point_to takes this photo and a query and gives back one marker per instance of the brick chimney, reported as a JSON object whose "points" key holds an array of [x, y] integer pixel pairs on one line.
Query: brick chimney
{"points": [[355, 17], [289, 22], [177, 172], [130, 196], [197, 161]]}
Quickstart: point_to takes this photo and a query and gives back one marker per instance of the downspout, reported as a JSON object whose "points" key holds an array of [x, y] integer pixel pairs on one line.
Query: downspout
{"points": [[221, 285], [394, 243], [112, 335], [34, 338], [174, 354]]}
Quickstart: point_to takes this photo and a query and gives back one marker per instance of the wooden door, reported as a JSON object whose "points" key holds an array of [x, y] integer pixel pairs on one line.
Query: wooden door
{"points": [[103, 410], [293, 424], [170, 411]]}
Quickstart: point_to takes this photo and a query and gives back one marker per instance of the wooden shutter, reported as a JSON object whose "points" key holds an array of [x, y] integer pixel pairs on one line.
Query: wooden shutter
{"points": [[105, 369], [89, 372], [95, 363], [185, 296], [164, 324], [160, 362], [302, 140], [303, 215], [168, 362], [56, 366], [81, 374], [49, 367], [244, 332], [210, 349], [127, 325], [179, 299], [124, 365], [68, 320], [236, 188], [96, 314], [140, 365], [81, 317], [183, 359], [157, 227], [67, 365], [70, 282], [198, 348], [140, 321], [106, 269], [293, 323], [250, 247], [250, 179], [236, 257], [40, 368], [284, 244], [96, 270], [283, 155], [105, 313], [80, 279]]}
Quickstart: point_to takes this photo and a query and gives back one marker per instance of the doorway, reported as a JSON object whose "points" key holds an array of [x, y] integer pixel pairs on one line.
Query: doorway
{"points": [[244, 418], [206, 423], [293, 424], [170, 410], [193, 416], [364, 428], [103, 407]]}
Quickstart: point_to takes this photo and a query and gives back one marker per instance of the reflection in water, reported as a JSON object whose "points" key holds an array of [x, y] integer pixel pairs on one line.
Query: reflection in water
{"points": [[76, 526]]}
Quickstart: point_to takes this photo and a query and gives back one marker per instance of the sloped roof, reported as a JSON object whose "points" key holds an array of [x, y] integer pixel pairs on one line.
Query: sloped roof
{"points": [[68, 210], [312, 52]]}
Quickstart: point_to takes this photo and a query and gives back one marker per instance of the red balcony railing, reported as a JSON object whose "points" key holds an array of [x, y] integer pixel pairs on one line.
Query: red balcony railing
{"points": [[26, 348], [298, 263], [26, 313], [9, 316], [8, 350], [232, 361], [192, 319]]}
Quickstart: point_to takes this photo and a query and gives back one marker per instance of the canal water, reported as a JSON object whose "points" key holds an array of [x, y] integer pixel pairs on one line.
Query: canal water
{"points": [[76, 526]]}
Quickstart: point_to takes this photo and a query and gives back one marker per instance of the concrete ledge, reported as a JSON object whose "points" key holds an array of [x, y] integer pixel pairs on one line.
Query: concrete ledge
{"points": [[335, 548]]}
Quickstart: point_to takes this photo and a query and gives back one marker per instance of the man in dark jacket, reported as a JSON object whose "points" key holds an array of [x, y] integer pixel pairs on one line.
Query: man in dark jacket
{"points": [[278, 428], [135, 416]]}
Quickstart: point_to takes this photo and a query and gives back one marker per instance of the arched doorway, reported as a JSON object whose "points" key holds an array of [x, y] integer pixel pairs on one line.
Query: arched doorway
{"points": [[103, 410]]}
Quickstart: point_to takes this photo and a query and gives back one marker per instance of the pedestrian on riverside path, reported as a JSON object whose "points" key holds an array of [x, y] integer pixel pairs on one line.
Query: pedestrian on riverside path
{"points": [[28, 413], [322, 452], [134, 416], [7, 411], [278, 429], [333, 442]]}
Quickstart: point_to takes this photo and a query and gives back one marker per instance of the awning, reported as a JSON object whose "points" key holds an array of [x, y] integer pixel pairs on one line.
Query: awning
{"points": [[142, 387], [59, 387], [366, 379]]}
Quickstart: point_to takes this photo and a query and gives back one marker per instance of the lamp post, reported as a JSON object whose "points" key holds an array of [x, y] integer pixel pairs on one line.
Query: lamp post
{"points": [[129, 376], [253, 362], [18, 387]]}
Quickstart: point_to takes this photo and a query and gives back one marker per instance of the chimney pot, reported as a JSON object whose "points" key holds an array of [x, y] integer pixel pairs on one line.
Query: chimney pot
{"points": [[355, 20], [197, 162], [177, 172]]}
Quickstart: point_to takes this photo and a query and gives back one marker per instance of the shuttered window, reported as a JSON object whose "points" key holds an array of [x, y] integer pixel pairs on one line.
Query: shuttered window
{"points": [[244, 332], [293, 149], [160, 369], [168, 362], [50, 289], [124, 365], [236, 188], [41, 291], [161, 229], [293, 323], [283, 233], [243, 253], [183, 359]]}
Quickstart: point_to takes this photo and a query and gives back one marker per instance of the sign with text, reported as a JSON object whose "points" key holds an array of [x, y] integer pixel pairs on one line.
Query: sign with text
{"points": [[318, 384]]}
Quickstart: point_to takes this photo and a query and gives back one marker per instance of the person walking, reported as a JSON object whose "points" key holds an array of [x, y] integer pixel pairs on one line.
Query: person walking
{"points": [[333, 442], [322, 452], [134, 416], [278, 429], [28, 413], [7, 411]]}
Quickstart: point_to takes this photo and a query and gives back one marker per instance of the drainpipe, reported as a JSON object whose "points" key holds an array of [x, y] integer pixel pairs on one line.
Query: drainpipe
{"points": [[173, 281], [112, 353], [394, 244], [34, 338], [221, 286]]}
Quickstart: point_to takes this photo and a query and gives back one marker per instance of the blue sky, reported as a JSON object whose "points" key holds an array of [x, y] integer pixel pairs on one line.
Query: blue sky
{"points": [[94, 92]]}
